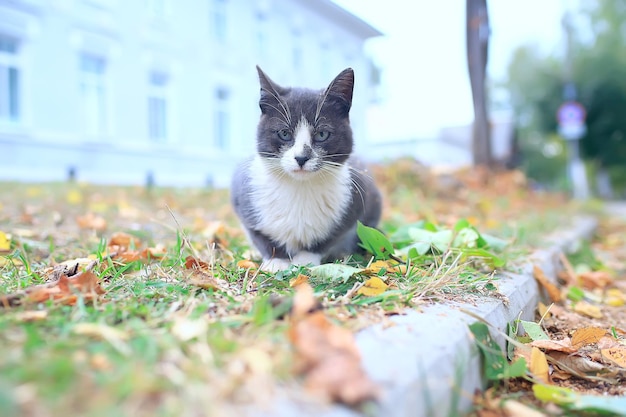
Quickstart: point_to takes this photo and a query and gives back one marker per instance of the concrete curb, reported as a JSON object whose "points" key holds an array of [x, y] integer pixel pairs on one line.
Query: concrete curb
{"points": [[426, 363]]}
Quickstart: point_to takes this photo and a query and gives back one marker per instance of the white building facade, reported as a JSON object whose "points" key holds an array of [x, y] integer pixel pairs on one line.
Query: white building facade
{"points": [[122, 91]]}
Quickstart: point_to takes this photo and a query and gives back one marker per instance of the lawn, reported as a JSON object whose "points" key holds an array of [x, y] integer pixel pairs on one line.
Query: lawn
{"points": [[130, 301]]}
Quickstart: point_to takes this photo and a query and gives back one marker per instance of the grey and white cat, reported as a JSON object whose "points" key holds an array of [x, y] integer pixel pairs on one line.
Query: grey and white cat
{"points": [[300, 196]]}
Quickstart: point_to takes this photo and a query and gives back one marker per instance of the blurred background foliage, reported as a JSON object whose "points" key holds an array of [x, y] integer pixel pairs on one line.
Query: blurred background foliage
{"points": [[598, 70]]}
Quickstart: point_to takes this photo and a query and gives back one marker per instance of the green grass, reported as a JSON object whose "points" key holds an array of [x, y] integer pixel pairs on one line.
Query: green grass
{"points": [[156, 344]]}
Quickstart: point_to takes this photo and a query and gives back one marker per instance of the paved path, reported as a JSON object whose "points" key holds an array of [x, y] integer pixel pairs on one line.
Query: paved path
{"points": [[616, 208]]}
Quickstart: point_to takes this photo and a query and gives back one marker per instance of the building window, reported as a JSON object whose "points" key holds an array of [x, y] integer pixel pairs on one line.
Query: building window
{"points": [[94, 94], [219, 20], [9, 80], [158, 107], [222, 118]]}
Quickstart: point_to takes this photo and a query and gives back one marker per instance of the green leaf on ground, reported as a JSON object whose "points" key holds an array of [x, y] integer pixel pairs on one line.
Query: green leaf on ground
{"points": [[495, 365], [374, 241], [334, 272], [534, 330], [572, 401]]}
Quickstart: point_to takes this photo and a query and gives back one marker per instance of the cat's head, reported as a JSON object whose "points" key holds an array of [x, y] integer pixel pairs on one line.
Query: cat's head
{"points": [[304, 133]]}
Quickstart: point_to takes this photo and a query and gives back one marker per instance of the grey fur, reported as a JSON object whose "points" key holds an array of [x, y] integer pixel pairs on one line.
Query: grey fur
{"points": [[281, 108]]}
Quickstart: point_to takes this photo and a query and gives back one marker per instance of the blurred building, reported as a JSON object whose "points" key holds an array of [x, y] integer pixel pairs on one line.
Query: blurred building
{"points": [[114, 91]]}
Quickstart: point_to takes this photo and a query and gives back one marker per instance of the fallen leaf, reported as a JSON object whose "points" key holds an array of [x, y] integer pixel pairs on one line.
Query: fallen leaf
{"points": [[113, 336], [5, 242], [327, 354], [124, 241], [376, 267], [615, 298], [589, 310], [373, 286], [587, 336], [563, 345], [615, 355], [534, 330], [193, 263], [538, 366], [553, 291], [91, 221], [575, 364], [247, 264], [299, 280], [595, 279], [74, 197]]}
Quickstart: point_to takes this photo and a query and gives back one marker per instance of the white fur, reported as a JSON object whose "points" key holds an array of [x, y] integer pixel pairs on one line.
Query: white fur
{"points": [[275, 265], [298, 212], [302, 138]]}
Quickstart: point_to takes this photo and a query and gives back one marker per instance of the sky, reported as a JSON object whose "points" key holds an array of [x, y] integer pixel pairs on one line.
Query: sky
{"points": [[423, 58]]}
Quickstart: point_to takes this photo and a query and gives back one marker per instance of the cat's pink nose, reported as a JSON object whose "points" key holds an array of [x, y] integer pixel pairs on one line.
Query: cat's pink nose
{"points": [[301, 160]]}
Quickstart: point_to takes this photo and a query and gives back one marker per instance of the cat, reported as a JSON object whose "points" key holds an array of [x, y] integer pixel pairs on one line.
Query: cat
{"points": [[300, 197]]}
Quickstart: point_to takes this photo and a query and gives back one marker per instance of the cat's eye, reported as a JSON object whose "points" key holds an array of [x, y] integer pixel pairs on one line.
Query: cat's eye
{"points": [[322, 135], [284, 134]]}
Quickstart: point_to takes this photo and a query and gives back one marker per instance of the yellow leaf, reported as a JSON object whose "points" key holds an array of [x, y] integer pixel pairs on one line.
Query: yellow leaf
{"points": [[5, 242], [373, 286], [299, 280], [74, 197], [589, 310], [543, 310], [539, 365], [615, 355], [615, 298], [587, 336], [375, 267]]}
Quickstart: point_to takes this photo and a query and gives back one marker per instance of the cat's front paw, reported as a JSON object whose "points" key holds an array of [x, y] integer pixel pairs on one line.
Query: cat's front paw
{"points": [[275, 265], [306, 258]]}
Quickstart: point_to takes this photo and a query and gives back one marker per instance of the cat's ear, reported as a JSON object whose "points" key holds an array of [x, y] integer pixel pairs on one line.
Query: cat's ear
{"points": [[342, 87], [270, 91]]}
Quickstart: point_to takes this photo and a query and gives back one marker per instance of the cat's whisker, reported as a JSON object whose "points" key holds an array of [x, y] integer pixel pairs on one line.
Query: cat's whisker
{"points": [[287, 112]]}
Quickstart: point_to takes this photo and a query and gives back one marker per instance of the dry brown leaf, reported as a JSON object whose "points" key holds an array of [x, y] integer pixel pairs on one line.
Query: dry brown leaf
{"points": [[569, 275], [589, 310], [193, 263], [578, 364], [595, 279], [92, 221], [553, 291], [538, 365], [327, 354], [563, 345], [615, 355], [124, 241], [587, 336], [64, 291]]}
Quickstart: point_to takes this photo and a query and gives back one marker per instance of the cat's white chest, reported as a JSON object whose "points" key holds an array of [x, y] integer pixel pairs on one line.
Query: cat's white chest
{"points": [[299, 213]]}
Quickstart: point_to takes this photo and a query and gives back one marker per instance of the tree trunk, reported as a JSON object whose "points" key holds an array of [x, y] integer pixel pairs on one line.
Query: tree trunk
{"points": [[477, 50]]}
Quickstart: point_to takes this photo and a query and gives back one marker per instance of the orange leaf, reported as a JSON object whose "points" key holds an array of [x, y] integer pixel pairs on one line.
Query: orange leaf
{"points": [[375, 267], [587, 336], [193, 263], [299, 280], [615, 355], [553, 291], [91, 221], [124, 240], [595, 279], [247, 264]]}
